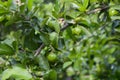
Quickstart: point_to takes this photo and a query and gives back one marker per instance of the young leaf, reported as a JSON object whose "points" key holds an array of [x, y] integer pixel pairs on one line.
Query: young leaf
{"points": [[85, 3], [30, 4]]}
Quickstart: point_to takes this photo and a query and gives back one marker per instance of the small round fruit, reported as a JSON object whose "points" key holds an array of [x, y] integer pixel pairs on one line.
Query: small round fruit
{"points": [[70, 71], [112, 12], [52, 57], [76, 30]]}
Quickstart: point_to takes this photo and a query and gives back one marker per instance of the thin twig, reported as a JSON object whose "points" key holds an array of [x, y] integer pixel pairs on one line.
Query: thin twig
{"points": [[64, 27], [66, 24], [39, 50], [93, 11], [96, 10]]}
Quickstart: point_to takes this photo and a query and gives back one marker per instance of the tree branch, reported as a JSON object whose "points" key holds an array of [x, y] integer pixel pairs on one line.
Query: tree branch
{"points": [[96, 10], [39, 49], [66, 24], [64, 27]]}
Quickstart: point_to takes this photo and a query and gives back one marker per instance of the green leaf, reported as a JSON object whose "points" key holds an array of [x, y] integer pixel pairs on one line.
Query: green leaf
{"points": [[54, 39], [57, 7], [85, 3], [82, 5], [2, 62], [23, 7], [29, 40], [6, 49], [43, 63], [61, 43], [54, 25], [8, 41], [116, 7], [81, 8], [77, 64], [12, 20], [17, 73], [69, 34], [2, 18], [66, 64], [30, 4], [86, 31], [115, 17], [44, 37]]}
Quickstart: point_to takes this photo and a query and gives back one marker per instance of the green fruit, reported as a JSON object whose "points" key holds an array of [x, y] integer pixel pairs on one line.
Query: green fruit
{"points": [[52, 57], [70, 71], [112, 12], [6, 49], [76, 30]]}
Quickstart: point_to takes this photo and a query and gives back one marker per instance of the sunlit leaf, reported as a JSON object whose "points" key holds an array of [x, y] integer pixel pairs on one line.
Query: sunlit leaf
{"points": [[30, 4], [66, 64], [17, 73]]}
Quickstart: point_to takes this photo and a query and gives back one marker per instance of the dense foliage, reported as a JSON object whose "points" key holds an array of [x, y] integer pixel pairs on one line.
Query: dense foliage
{"points": [[59, 39]]}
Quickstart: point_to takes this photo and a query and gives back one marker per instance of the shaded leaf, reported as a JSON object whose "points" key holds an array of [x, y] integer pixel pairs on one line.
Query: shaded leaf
{"points": [[45, 38], [43, 63], [6, 49]]}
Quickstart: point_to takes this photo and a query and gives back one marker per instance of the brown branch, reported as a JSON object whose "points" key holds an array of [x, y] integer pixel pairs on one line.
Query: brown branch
{"points": [[96, 10], [64, 27], [39, 50], [67, 24], [93, 11]]}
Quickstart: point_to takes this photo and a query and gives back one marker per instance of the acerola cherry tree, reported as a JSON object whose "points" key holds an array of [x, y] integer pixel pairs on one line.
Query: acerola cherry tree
{"points": [[59, 39]]}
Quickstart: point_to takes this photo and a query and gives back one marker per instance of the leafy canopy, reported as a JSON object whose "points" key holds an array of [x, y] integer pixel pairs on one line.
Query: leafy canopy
{"points": [[81, 37]]}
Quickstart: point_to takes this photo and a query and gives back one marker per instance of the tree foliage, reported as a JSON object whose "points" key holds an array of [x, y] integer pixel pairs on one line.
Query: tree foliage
{"points": [[59, 39]]}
